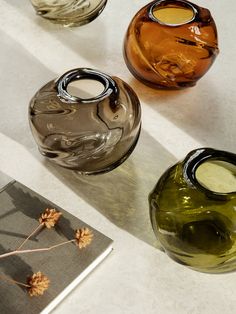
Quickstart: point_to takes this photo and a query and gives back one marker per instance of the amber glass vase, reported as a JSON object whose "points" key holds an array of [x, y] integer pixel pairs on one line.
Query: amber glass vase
{"points": [[193, 212], [69, 12], [88, 134], [171, 44]]}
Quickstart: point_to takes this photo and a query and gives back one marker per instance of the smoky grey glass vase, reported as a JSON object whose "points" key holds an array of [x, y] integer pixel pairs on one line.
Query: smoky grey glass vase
{"points": [[89, 135], [69, 12]]}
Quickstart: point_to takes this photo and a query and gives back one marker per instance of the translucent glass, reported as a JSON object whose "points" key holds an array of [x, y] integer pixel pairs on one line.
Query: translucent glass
{"points": [[170, 44], [173, 15], [69, 12], [217, 176], [89, 135], [193, 212]]}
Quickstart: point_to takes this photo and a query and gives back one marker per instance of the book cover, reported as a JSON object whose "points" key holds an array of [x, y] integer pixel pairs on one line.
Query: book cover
{"points": [[65, 266]]}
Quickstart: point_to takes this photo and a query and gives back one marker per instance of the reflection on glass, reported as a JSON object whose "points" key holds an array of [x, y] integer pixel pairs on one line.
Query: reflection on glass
{"points": [[87, 134], [193, 211], [217, 176], [69, 12], [170, 44]]}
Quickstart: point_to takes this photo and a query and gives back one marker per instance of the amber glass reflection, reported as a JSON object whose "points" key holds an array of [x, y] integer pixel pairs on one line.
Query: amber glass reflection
{"points": [[69, 12], [170, 44]]}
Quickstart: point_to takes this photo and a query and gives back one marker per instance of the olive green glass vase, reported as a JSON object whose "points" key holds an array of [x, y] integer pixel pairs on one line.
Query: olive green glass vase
{"points": [[193, 211]]}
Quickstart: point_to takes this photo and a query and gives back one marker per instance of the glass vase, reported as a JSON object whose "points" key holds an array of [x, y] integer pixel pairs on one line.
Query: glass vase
{"points": [[170, 44], [192, 209], [69, 12], [90, 135]]}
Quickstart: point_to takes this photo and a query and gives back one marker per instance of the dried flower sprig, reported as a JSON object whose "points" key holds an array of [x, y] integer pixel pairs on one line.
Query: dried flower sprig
{"points": [[83, 237], [36, 285], [47, 219]]}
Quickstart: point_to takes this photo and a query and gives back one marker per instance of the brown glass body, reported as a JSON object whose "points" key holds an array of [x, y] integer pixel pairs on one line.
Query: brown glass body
{"points": [[92, 135], [170, 56]]}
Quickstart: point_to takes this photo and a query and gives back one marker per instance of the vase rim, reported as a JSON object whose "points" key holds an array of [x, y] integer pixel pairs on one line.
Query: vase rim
{"points": [[199, 156], [183, 3], [110, 86]]}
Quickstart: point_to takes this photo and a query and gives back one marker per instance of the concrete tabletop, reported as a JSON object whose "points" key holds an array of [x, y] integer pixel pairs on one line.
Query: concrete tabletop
{"points": [[137, 277]]}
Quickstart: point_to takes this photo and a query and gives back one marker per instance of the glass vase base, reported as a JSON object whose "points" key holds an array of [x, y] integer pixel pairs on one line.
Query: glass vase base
{"points": [[222, 268], [182, 85], [78, 170], [68, 22], [69, 13]]}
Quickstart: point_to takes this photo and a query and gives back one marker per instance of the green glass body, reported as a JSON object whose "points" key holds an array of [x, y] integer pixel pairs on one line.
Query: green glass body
{"points": [[195, 226]]}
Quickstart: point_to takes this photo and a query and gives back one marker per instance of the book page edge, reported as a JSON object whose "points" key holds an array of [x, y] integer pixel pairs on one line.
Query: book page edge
{"points": [[75, 282]]}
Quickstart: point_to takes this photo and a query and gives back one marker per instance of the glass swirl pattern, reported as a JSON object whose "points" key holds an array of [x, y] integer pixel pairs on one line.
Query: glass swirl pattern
{"points": [[69, 12], [170, 44], [192, 210], [91, 135]]}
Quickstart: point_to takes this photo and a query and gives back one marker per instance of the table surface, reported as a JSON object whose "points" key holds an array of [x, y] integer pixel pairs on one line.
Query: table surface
{"points": [[136, 277]]}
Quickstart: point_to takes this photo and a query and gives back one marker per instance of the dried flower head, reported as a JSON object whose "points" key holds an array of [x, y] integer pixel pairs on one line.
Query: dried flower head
{"points": [[38, 284], [49, 217], [83, 237]]}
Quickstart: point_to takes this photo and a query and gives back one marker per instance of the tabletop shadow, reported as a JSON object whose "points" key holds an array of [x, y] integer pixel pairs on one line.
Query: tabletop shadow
{"points": [[196, 110], [32, 205], [122, 194], [14, 267], [88, 41]]}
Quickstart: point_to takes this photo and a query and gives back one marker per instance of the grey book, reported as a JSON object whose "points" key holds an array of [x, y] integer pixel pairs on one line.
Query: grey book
{"points": [[65, 266]]}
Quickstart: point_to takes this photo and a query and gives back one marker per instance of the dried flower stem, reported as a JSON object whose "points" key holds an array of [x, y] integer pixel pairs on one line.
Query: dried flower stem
{"points": [[32, 233], [48, 219], [14, 281], [16, 252]]}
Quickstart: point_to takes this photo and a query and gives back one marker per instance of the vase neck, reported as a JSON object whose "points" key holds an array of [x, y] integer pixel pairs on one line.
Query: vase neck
{"points": [[173, 12], [110, 86], [212, 171]]}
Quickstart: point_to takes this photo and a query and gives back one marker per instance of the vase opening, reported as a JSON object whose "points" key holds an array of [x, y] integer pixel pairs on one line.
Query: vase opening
{"points": [[85, 88], [85, 85], [217, 176], [172, 13]]}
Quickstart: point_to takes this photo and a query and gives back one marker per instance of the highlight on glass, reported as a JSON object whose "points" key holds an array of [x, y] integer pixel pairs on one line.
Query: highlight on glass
{"points": [[171, 44]]}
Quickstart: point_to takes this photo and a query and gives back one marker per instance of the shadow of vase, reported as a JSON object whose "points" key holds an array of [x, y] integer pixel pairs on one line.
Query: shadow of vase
{"points": [[122, 194], [88, 41]]}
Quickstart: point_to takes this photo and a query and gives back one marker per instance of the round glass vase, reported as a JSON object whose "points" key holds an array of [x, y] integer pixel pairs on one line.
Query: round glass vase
{"points": [[192, 210], [170, 44], [89, 135], [69, 12]]}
